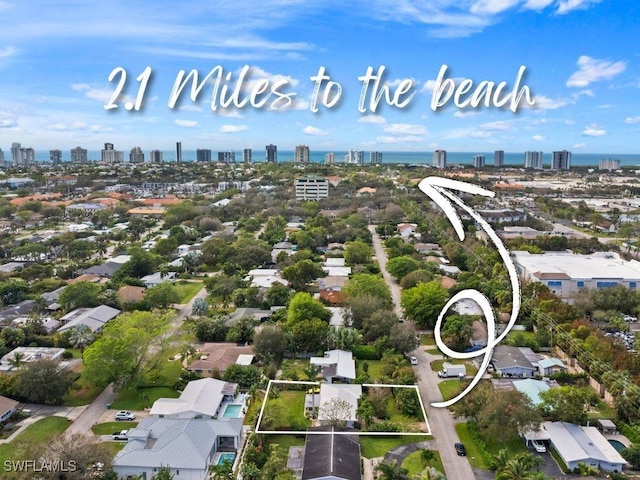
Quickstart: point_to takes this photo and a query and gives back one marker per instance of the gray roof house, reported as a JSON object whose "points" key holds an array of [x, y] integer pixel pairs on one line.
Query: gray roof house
{"points": [[549, 366], [188, 447], [336, 366], [107, 269], [346, 393], [512, 362], [577, 444], [331, 457], [94, 318], [200, 399], [158, 278]]}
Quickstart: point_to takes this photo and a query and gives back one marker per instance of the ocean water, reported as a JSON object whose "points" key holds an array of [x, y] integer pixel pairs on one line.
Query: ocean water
{"points": [[461, 158]]}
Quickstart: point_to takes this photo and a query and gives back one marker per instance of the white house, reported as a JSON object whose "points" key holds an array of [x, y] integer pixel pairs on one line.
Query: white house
{"points": [[200, 399], [94, 318], [158, 278], [7, 408], [350, 394], [336, 366]]}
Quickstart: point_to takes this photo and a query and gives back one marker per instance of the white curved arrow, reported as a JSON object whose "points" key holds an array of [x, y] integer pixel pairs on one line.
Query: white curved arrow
{"points": [[439, 190]]}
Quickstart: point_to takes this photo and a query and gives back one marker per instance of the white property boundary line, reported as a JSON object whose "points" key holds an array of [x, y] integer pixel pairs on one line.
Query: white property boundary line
{"points": [[305, 432]]}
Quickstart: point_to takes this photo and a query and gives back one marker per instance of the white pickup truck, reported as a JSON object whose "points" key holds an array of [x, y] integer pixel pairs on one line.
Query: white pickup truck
{"points": [[121, 435]]}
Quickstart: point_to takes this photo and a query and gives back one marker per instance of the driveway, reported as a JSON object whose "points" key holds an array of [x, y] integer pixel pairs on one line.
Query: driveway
{"points": [[93, 413], [440, 419]]}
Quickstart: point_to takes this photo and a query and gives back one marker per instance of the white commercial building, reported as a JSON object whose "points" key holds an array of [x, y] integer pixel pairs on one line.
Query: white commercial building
{"points": [[566, 273], [311, 188]]}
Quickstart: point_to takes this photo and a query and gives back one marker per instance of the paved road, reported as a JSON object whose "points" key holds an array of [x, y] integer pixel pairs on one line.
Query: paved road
{"points": [[440, 419], [93, 413]]}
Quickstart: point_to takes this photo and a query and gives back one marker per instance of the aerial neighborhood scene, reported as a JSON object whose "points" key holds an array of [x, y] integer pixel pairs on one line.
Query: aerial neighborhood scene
{"points": [[284, 240]]}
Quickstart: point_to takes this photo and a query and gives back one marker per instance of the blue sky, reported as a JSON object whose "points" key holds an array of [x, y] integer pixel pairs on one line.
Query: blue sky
{"points": [[582, 59]]}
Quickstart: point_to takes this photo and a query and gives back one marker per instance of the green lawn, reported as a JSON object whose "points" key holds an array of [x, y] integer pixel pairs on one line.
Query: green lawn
{"points": [[134, 399], [286, 441], [414, 463], [109, 427], [82, 392], [603, 410], [473, 454], [427, 339], [40, 431], [290, 367], [514, 446], [433, 351], [450, 388], [375, 368], [187, 290], [527, 336], [377, 446], [254, 409], [286, 410]]}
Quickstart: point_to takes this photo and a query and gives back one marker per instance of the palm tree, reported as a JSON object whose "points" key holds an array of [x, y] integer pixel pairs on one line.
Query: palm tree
{"points": [[500, 459], [16, 361], [80, 337], [392, 471], [427, 455]]}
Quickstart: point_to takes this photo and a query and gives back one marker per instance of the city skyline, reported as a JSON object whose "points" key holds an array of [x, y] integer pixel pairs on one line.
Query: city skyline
{"points": [[580, 57]]}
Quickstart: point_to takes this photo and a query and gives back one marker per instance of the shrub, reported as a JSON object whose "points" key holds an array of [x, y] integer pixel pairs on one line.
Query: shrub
{"points": [[365, 352], [67, 354]]}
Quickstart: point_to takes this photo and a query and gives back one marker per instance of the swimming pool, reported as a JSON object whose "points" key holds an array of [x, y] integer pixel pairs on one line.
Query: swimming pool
{"points": [[226, 457], [233, 410], [617, 445]]}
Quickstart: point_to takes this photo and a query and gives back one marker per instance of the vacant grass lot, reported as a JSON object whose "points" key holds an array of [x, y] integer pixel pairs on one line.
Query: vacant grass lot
{"points": [[287, 411], [187, 290], [375, 368], [294, 368], [139, 399], [38, 432]]}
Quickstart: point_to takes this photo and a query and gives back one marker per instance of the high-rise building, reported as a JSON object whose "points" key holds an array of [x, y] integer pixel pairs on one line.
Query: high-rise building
{"points": [[311, 188], [79, 155], [179, 152], [439, 159], [15, 153], [355, 157], [109, 154], [55, 157], [561, 160], [329, 158], [533, 160], [136, 155], [302, 154], [478, 161], [203, 155], [271, 154], [375, 157], [1, 156], [226, 157], [155, 156], [609, 164], [247, 155], [498, 158], [28, 156]]}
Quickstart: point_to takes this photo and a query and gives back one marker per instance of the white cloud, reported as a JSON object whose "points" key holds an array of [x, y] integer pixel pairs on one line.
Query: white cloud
{"points": [[256, 74], [310, 130], [229, 112], [569, 122], [372, 119], [628, 120], [102, 95], [546, 103], [538, 138], [233, 128], [492, 7], [578, 146], [191, 108], [186, 123], [392, 140], [537, 4], [406, 129], [594, 130], [592, 70], [464, 114], [499, 125], [566, 6], [8, 119], [7, 51]]}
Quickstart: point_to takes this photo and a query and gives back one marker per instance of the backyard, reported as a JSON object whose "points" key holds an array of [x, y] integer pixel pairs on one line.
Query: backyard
{"points": [[285, 411], [38, 432]]}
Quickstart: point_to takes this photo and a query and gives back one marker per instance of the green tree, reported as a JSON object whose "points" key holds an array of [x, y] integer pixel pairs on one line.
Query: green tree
{"points": [[161, 296], [632, 455], [81, 336], [277, 295], [164, 473], [211, 330], [378, 325], [269, 343], [12, 337], [367, 284], [360, 309], [568, 404], [80, 295], [200, 307], [457, 332], [407, 401], [335, 411], [274, 230], [423, 303], [44, 381], [13, 291], [402, 338], [304, 307], [244, 376], [357, 253], [422, 275], [391, 471], [402, 266], [301, 273], [242, 330], [118, 356], [309, 335]]}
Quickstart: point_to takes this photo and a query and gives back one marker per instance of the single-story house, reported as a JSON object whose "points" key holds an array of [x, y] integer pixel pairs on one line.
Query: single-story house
{"points": [[315, 403], [187, 446], [94, 318], [333, 283], [532, 389], [336, 366], [12, 266], [130, 294], [7, 408], [331, 456], [217, 357], [510, 361], [577, 444], [158, 278], [108, 268], [28, 355], [335, 262], [549, 366], [337, 271], [407, 229], [265, 277], [199, 399]]}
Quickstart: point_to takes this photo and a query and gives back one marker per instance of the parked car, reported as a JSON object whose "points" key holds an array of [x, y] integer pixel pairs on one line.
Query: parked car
{"points": [[413, 360], [121, 435], [124, 416], [460, 450], [538, 446]]}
